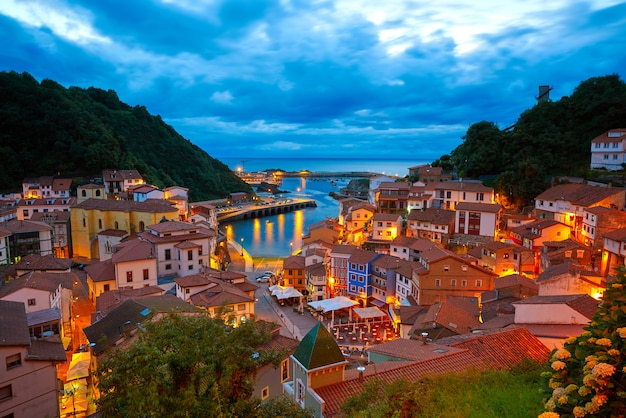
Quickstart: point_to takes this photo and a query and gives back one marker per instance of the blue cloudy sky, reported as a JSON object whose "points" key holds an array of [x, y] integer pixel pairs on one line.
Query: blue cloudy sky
{"points": [[308, 78]]}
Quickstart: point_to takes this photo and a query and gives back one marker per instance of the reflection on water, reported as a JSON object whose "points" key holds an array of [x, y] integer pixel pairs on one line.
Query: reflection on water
{"points": [[280, 235]]}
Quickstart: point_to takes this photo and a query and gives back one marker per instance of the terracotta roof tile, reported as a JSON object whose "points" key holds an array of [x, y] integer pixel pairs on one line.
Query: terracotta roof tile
{"points": [[579, 194], [479, 207], [13, 324], [497, 350], [433, 215]]}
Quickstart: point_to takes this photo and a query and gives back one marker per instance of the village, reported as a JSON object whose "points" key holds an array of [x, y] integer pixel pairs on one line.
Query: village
{"points": [[409, 278]]}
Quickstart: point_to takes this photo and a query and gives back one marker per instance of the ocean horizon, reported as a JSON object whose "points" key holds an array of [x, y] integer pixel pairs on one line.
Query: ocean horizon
{"points": [[392, 167]]}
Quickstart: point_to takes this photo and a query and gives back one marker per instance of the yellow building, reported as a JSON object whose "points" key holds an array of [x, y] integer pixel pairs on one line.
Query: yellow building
{"points": [[293, 273], [93, 216]]}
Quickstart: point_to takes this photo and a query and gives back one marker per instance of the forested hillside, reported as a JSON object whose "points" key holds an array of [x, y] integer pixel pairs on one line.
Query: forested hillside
{"points": [[47, 129], [552, 138]]}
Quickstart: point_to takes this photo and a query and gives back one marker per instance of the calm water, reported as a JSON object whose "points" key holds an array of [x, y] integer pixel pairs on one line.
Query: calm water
{"points": [[398, 167], [279, 235]]}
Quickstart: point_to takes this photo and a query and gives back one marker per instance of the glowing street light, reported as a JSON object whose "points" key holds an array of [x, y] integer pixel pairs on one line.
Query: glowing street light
{"points": [[242, 246]]}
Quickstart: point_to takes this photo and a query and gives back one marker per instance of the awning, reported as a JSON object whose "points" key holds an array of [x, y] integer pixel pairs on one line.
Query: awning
{"points": [[76, 357], [378, 303], [78, 370], [333, 304], [66, 342], [369, 313], [286, 292]]}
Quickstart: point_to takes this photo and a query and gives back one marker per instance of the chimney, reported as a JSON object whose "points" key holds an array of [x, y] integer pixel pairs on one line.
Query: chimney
{"points": [[127, 329], [360, 369], [424, 338]]}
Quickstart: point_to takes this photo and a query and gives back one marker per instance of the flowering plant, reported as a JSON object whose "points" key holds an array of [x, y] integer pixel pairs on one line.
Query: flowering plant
{"points": [[587, 377]]}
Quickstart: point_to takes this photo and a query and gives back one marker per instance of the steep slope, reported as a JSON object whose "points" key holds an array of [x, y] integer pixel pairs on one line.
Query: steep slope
{"points": [[46, 129]]}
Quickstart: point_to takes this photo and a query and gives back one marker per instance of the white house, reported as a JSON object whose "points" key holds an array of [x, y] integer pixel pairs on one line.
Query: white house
{"points": [[608, 151], [182, 248], [135, 264], [386, 226], [477, 219], [37, 291], [448, 194]]}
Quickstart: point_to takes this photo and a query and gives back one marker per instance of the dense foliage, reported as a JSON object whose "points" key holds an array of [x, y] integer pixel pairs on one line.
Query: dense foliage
{"points": [[474, 393], [552, 138], [46, 129], [588, 375], [188, 366]]}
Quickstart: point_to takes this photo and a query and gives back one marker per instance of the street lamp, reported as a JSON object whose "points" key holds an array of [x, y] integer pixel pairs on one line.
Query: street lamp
{"points": [[290, 248], [242, 246]]}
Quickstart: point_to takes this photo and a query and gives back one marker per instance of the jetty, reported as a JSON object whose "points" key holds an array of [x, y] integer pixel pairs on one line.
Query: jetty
{"points": [[334, 174], [265, 209]]}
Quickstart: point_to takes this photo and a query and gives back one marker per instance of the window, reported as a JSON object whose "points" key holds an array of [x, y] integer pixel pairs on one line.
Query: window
{"points": [[464, 283], [479, 283], [284, 370], [129, 276], [168, 267], [14, 360], [117, 225], [99, 223], [146, 274], [98, 193], [142, 226], [464, 267], [265, 392], [446, 268], [168, 254], [190, 255], [6, 393], [300, 391], [107, 287], [32, 302], [437, 282], [453, 282], [83, 193], [190, 267], [241, 307], [25, 212]]}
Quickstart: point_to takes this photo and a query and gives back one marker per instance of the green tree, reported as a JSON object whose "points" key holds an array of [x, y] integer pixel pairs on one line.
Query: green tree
{"points": [[587, 376], [185, 366]]}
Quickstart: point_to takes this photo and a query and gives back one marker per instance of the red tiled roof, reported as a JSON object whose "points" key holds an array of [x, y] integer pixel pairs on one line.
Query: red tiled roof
{"points": [[149, 205], [294, 262], [479, 207], [470, 186], [606, 138], [616, 235], [498, 350], [579, 194], [102, 271], [433, 215], [43, 262], [49, 282], [192, 281]]}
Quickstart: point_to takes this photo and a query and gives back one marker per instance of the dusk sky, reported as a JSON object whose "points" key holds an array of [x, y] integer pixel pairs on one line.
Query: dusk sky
{"points": [[319, 78]]}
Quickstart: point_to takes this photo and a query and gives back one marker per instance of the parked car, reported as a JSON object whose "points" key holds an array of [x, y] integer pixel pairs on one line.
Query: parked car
{"points": [[262, 279]]}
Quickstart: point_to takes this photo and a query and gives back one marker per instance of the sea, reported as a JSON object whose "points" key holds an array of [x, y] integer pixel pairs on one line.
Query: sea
{"points": [[281, 235], [399, 167]]}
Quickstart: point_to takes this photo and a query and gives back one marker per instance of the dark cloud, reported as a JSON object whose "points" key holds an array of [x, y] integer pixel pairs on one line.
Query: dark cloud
{"points": [[326, 78]]}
